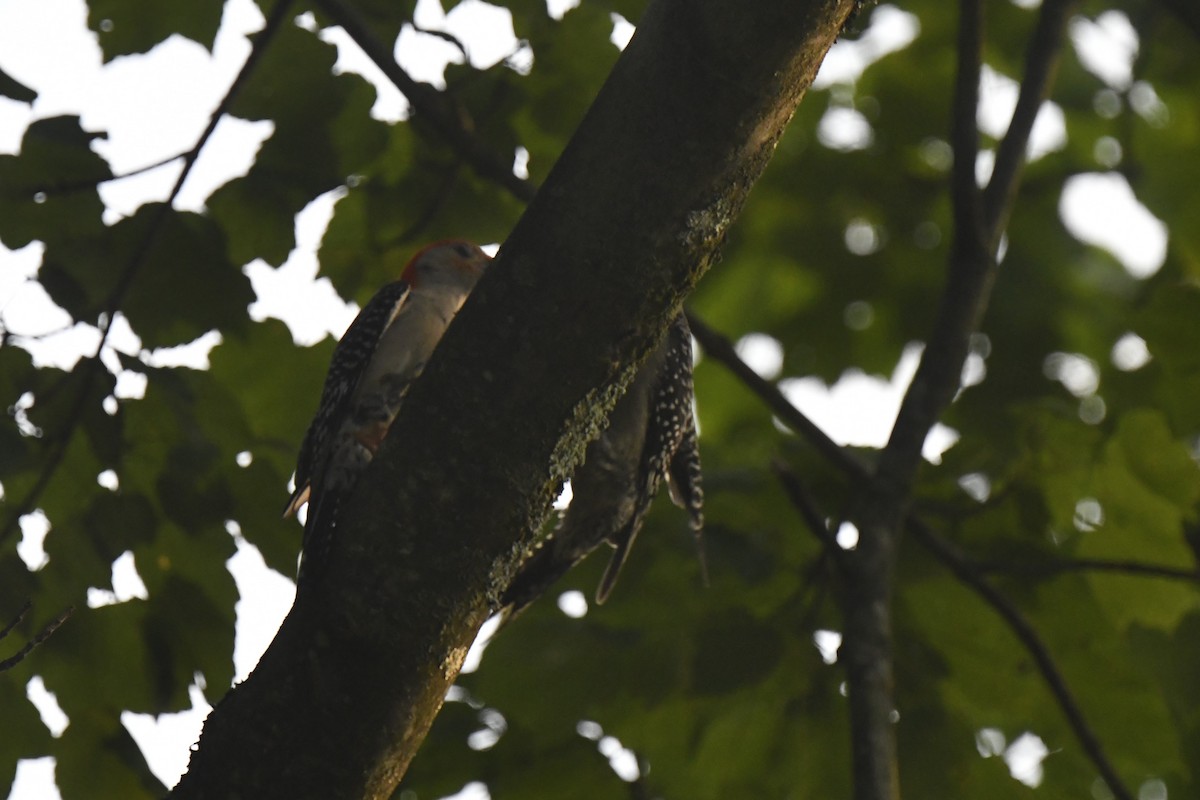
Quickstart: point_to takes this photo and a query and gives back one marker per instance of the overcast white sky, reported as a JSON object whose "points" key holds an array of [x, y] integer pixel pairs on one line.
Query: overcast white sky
{"points": [[138, 102]]}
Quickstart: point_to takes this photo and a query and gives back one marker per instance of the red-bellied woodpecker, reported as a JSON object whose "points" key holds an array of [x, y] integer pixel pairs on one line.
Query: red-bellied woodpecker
{"points": [[382, 353], [651, 434]]}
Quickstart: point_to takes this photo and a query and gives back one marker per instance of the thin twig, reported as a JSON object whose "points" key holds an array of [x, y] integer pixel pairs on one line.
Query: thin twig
{"points": [[719, 347], [802, 499], [431, 105], [17, 619], [450, 38], [806, 505], [831, 552], [1041, 65], [45, 633], [64, 188], [965, 297], [964, 128], [18, 338], [967, 573], [880, 505], [1059, 565], [969, 278]]}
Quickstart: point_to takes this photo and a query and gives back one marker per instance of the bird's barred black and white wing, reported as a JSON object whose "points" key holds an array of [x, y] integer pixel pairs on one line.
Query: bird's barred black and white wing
{"points": [[670, 451], [349, 362], [651, 435]]}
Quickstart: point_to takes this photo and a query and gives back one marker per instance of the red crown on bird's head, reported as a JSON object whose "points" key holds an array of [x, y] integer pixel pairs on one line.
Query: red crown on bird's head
{"points": [[466, 255]]}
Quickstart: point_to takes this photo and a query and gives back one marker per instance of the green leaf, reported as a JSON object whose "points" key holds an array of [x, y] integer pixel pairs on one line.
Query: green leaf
{"points": [[189, 631], [323, 134], [130, 26], [111, 640], [574, 768], [19, 714], [48, 191], [1167, 658], [1148, 486], [116, 522], [96, 757], [186, 285], [279, 389], [571, 59], [1167, 322], [12, 88]]}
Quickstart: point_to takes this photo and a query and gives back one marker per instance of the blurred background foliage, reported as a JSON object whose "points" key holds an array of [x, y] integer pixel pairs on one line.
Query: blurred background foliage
{"points": [[1078, 437]]}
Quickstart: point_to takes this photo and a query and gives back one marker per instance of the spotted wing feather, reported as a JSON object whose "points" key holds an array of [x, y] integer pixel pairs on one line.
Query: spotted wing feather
{"points": [[350, 359], [671, 425]]}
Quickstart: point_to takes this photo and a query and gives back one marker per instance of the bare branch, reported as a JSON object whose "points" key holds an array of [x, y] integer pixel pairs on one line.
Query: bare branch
{"points": [[969, 279], [450, 38], [881, 504], [978, 220], [964, 129], [1041, 65], [718, 346], [966, 572], [45, 633]]}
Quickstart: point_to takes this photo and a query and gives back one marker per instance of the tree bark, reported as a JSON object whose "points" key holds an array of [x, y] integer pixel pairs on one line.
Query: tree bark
{"points": [[627, 222]]}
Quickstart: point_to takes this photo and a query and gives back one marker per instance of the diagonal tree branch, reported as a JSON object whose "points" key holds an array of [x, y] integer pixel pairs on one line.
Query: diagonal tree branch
{"points": [[627, 223], [65, 188], [721, 349], [969, 571], [882, 504], [803, 501], [28, 604], [969, 575], [969, 279], [1041, 65], [978, 223], [45, 633]]}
